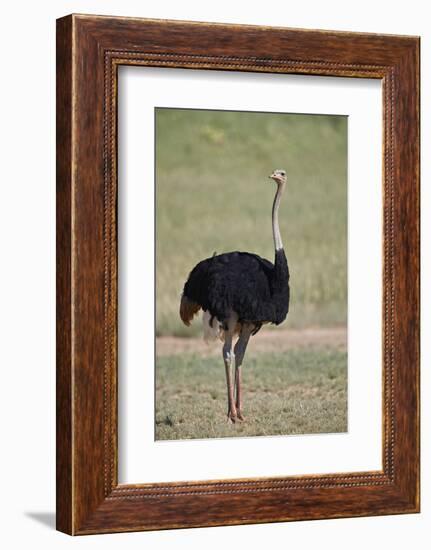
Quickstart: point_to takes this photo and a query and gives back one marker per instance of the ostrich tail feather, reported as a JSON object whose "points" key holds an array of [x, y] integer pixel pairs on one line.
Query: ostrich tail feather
{"points": [[188, 310]]}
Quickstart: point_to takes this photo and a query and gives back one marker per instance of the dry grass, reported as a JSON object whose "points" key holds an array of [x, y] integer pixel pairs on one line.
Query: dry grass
{"points": [[301, 391]]}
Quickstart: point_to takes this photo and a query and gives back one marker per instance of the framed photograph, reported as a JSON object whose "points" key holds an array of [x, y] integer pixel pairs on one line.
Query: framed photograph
{"points": [[237, 274]]}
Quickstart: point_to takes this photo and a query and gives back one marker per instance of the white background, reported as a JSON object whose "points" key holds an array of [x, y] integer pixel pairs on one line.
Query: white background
{"points": [[27, 122], [141, 458]]}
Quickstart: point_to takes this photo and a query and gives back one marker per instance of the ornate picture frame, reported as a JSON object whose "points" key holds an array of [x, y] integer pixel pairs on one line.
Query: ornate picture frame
{"points": [[89, 51]]}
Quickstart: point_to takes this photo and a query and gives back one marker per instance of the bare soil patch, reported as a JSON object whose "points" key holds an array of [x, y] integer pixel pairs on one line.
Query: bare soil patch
{"points": [[277, 340]]}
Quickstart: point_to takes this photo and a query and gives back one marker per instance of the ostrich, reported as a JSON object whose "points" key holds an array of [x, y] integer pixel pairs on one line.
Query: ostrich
{"points": [[238, 293]]}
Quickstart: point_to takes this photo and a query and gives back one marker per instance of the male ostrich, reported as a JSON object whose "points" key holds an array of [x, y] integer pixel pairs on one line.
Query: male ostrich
{"points": [[239, 292]]}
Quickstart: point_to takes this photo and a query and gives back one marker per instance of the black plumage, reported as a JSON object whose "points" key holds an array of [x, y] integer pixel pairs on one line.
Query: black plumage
{"points": [[251, 286]]}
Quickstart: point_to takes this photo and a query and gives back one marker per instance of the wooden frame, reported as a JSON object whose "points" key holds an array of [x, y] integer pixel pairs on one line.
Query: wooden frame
{"points": [[89, 51]]}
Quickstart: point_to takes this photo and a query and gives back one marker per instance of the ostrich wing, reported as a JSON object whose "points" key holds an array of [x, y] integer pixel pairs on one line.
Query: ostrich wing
{"points": [[234, 281]]}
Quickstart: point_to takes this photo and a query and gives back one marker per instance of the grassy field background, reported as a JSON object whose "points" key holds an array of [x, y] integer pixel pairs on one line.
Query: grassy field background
{"points": [[297, 391], [213, 195]]}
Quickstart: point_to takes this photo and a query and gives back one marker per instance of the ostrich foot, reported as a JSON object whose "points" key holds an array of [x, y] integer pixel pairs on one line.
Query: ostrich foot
{"points": [[240, 416], [232, 416]]}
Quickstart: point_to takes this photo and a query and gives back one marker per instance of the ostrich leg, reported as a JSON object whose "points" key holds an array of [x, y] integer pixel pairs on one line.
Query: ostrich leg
{"points": [[228, 363], [240, 348]]}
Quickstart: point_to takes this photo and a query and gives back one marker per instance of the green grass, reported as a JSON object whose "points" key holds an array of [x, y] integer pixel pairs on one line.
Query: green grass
{"points": [[213, 194], [297, 392]]}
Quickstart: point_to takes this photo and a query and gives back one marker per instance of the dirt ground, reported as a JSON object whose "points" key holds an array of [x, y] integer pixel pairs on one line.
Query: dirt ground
{"points": [[276, 340]]}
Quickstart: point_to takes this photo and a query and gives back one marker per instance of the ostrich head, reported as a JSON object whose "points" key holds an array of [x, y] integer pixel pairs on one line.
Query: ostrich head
{"points": [[279, 176]]}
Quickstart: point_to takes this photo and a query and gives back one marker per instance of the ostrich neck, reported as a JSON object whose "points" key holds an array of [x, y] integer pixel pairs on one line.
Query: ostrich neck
{"points": [[278, 243]]}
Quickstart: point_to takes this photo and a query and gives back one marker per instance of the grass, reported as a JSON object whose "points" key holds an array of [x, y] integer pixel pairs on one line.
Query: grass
{"points": [[213, 194], [301, 391]]}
